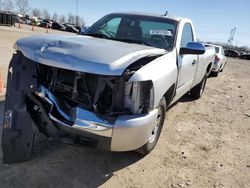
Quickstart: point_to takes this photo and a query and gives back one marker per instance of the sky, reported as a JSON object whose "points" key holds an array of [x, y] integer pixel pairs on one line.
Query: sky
{"points": [[213, 19]]}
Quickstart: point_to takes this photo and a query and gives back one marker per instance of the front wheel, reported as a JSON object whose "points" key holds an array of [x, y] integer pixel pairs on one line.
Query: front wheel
{"points": [[155, 134], [197, 91], [215, 74]]}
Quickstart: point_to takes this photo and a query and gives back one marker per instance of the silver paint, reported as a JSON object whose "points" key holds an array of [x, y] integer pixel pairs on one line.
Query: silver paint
{"points": [[84, 53]]}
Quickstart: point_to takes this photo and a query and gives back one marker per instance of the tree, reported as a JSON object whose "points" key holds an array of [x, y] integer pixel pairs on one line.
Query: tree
{"points": [[55, 17], [62, 19], [36, 12], [80, 21], [1, 4], [23, 6], [8, 5], [46, 14], [71, 18]]}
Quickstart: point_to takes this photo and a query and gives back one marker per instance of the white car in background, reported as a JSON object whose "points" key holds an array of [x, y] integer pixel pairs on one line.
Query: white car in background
{"points": [[219, 60]]}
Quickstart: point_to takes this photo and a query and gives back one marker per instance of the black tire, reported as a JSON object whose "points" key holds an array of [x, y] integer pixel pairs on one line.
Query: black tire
{"points": [[150, 145], [215, 74], [197, 91]]}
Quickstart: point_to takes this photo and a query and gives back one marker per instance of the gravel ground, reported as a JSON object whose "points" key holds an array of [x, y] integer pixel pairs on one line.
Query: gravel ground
{"points": [[204, 143]]}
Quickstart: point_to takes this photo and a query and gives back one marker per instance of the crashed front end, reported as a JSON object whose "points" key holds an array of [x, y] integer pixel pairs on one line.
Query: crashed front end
{"points": [[111, 108], [89, 102]]}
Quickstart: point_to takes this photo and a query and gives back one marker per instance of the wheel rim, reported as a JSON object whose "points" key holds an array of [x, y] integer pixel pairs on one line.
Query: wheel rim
{"points": [[155, 130]]}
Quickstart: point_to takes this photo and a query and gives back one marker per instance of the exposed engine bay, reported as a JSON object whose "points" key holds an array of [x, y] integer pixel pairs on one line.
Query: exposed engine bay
{"points": [[107, 96]]}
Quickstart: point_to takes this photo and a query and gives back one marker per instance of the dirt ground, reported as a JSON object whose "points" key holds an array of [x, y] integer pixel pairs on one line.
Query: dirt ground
{"points": [[204, 143]]}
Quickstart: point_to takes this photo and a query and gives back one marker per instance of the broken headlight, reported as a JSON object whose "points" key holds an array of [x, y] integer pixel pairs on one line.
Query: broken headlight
{"points": [[139, 96]]}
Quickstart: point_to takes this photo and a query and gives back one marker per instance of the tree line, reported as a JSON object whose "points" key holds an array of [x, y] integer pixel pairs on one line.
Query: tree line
{"points": [[23, 7]]}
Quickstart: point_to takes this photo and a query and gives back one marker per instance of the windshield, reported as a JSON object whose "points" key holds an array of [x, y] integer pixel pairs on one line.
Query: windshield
{"points": [[145, 30]]}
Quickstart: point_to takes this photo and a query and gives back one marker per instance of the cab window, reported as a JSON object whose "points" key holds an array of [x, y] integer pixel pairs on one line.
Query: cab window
{"points": [[222, 51], [187, 35], [110, 27], [217, 49]]}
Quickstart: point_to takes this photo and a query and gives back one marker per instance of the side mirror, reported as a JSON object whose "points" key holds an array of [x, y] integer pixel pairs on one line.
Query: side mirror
{"points": [[193, 48]]}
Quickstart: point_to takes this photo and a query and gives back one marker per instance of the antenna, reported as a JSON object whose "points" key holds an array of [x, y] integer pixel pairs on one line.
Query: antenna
{"points": [[166, 13]]}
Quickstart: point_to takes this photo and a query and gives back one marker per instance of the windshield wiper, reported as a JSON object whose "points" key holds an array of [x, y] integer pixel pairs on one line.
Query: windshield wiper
{"points": [[118, 39], [132, 41], [97, 35]]}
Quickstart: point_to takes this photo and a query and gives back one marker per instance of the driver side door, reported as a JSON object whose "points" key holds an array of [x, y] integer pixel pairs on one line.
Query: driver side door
{"points": [[187, 63]]}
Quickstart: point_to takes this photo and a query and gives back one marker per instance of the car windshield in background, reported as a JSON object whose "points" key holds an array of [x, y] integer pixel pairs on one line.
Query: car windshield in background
{"points": [[217, 49], [146, 30]]}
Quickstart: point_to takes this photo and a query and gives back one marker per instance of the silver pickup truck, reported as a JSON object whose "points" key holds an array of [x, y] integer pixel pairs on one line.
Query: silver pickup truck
{"points": [[113, 84]]}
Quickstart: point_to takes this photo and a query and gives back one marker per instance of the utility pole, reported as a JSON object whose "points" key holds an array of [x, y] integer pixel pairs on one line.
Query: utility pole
{"points": [[231, 36], [76, 11]]}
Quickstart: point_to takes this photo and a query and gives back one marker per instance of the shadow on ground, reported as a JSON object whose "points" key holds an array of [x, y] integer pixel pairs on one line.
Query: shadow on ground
{"points": [[57, 164]]}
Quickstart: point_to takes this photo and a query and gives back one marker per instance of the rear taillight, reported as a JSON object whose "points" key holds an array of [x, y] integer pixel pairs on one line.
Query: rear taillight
{"points": [[216, 58]]}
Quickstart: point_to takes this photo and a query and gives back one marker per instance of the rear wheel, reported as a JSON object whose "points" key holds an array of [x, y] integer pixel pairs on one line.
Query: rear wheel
{"points": [[155, 134], [197, 91]]}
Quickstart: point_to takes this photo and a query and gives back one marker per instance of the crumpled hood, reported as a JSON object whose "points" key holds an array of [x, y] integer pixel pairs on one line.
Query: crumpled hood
{"points": [[84, 53]]}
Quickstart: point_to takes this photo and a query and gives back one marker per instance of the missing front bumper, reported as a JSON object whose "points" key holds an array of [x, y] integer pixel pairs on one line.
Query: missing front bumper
{"points": [[127, 132]]}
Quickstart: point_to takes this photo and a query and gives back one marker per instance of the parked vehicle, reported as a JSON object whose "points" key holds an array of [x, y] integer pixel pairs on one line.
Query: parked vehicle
{"points": [[44, 23], [78, 28], [27, 21], [231, 53], [19, 20], [111, 85], [219, 61], [71, 28], [58, 26], [245, 56]]}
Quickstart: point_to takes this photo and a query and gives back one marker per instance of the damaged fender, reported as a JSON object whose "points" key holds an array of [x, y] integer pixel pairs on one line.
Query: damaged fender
{"points": [[17, 138]]}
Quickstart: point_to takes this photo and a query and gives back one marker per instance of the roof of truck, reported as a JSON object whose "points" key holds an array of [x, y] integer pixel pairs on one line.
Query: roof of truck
{"points": [[172, 17]]}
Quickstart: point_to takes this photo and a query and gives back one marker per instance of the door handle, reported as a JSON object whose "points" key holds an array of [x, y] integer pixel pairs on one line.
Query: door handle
{"points": [[194, 62]]}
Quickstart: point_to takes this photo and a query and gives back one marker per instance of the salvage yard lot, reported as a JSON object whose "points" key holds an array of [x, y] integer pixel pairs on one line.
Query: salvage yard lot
{"points": [[204, 143]]}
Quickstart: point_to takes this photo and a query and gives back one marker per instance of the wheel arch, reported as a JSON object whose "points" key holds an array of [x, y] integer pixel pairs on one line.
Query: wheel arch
{"points": [[209, 68], [169, 95]]}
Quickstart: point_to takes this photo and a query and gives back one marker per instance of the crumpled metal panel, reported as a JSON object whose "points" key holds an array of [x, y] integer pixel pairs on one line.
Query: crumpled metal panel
{"points": [[84, 53]]}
